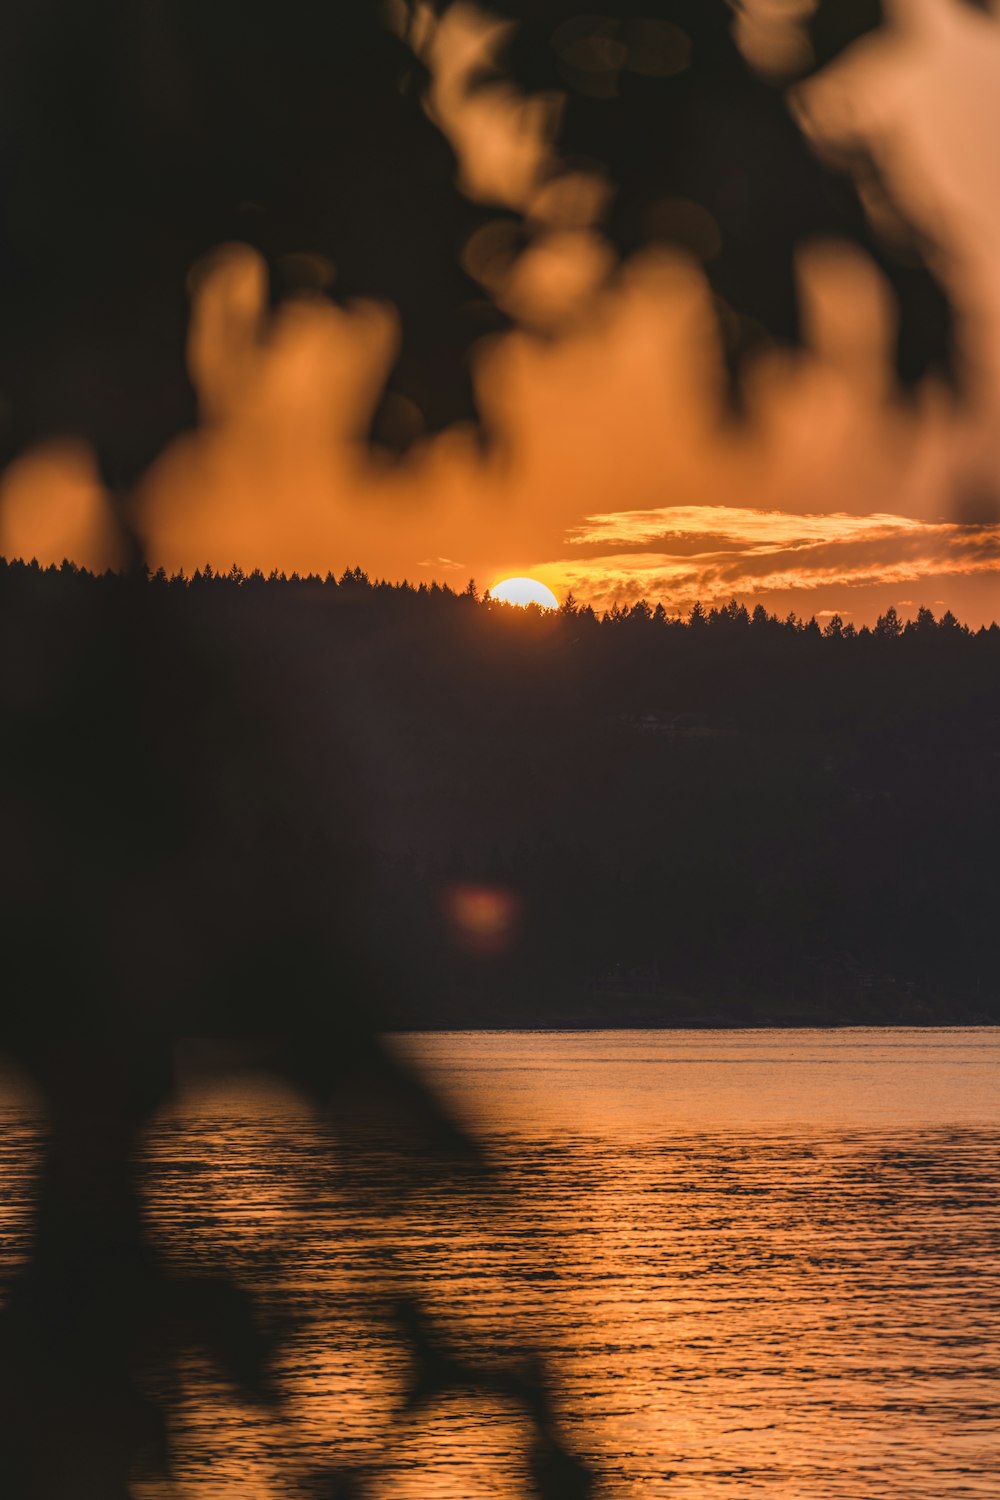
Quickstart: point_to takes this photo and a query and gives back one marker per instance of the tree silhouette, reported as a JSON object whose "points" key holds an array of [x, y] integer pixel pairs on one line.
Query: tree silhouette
{"points": [[889, 625]]}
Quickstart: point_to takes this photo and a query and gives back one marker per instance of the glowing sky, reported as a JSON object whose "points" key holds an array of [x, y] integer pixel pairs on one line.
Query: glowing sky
{"points": [[615, 468]]}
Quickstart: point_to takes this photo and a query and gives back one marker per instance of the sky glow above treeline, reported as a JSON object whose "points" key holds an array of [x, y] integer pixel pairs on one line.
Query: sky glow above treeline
{"points": [[615, 466]]}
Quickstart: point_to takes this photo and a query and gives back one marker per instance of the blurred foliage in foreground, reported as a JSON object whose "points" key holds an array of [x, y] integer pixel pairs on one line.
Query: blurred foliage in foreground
{"points": [[183, 859]]}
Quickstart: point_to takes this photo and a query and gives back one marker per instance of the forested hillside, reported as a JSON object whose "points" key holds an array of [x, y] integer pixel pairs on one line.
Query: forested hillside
{"points": [[556, 817]]}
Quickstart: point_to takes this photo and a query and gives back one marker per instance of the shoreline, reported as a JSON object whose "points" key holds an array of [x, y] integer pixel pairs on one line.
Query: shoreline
{"points": [[597, 1026]]}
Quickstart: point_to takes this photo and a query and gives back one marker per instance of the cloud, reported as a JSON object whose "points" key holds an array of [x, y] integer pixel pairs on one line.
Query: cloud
{"points": [[759, 530], [683, 553]]}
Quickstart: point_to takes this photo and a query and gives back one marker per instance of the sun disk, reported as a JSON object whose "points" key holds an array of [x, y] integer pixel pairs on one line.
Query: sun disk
{"points": [[524, 591]]}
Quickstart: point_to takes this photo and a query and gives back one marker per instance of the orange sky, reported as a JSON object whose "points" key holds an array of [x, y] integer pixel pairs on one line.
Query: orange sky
{"points": [[615, 468]]}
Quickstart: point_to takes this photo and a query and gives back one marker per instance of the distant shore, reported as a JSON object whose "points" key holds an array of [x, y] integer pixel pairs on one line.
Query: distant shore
{"points": [[985, 1024], [664, 1011]]}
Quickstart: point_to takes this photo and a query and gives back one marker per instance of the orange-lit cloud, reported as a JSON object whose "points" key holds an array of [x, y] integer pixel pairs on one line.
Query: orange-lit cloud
{"points": [[713, 552], [754, 531]]}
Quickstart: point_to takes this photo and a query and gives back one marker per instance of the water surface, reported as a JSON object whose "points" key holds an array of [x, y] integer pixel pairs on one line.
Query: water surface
{"points": [[760, 1264]]}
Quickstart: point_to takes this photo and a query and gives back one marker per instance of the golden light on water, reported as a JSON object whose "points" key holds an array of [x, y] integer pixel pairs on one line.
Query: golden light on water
{"points": [[524, 591]]}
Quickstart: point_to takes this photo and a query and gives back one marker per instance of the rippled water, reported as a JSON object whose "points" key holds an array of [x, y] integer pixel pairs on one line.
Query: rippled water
{"points": [[758, 1263]]}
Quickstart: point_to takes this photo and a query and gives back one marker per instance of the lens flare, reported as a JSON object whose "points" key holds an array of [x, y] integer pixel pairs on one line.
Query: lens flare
{"points": [[482, 918]]}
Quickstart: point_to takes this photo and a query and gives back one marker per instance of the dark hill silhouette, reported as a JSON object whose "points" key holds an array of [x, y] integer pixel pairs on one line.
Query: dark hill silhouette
{"points": [[563, 817]]}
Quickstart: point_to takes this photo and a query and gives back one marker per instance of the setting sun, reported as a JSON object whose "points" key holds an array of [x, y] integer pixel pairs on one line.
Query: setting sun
{"points": [[524, 591]]}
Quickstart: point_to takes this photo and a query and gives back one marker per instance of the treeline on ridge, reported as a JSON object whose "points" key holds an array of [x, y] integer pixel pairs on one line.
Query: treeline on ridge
{"points": [[355, 582]]}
